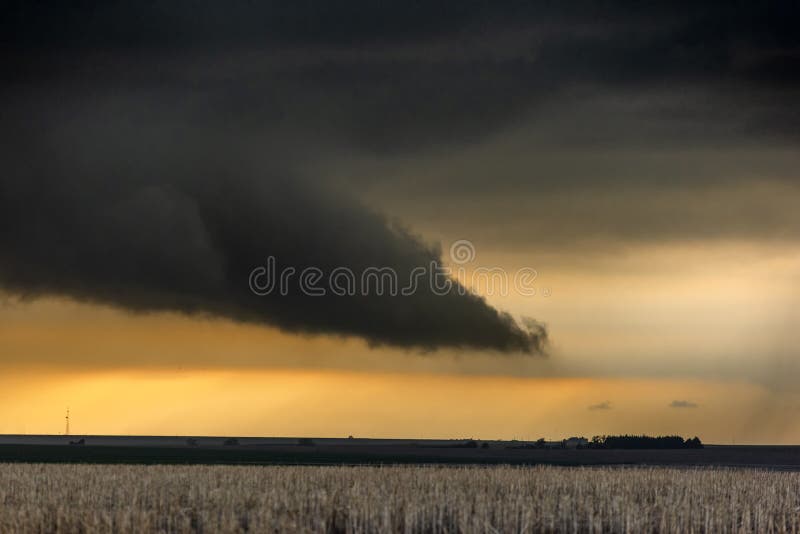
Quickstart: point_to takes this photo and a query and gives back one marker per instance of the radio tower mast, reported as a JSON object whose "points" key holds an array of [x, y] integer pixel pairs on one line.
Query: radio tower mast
{"points": [[66, 432]]}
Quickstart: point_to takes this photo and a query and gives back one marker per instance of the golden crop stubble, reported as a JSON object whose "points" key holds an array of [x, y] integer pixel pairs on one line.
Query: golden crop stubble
{"points": [[94, 498]]}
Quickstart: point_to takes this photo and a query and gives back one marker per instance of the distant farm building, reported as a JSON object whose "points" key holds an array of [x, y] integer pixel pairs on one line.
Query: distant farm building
{"points": [[576, 443]]}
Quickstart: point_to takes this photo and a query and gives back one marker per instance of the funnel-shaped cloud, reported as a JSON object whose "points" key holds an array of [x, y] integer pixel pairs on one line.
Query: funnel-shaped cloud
{"points": [[183, 233]]}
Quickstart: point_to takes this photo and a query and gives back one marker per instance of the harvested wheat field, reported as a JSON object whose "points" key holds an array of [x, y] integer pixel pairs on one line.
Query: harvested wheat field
{"points": [[95, 498]]}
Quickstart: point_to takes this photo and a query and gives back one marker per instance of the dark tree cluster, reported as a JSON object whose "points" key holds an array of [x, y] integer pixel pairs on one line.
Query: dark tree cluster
{"points": [[644, 442]]}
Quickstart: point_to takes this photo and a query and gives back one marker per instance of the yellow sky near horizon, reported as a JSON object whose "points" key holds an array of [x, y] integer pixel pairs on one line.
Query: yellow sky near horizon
{"points": [[301, 402]]}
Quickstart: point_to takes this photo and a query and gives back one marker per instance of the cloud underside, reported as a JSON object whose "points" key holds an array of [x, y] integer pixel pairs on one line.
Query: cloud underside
{"points": [[187, 239]]}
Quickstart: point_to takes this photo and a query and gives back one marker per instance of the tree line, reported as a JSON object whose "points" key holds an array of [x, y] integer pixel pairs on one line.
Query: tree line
{"points": [[644, 442]]}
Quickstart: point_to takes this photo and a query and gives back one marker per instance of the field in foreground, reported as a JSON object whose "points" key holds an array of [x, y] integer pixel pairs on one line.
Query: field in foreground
{"points": [[117, 498]]}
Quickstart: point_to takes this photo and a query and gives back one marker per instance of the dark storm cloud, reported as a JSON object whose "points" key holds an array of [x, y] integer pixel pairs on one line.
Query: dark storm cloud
{"points": [[124, 208], [710, 25], [396, 76]]}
